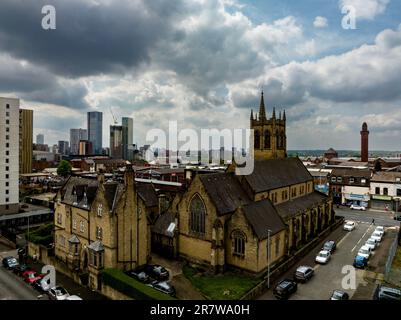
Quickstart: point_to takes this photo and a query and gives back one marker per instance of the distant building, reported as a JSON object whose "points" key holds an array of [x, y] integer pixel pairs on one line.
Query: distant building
{"points": [[40, 139], [385, 190], [25, 140], [116, 142], [76, 135], [85, 147], [330, 154], [364, 143], [9, 155], [95, 131], [128, 152], [63, 147]]}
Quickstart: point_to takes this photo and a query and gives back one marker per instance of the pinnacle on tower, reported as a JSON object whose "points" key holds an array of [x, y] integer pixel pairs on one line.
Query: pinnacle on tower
{"points": [[251, 114], [262, 111], [284, 115], [274, 112], [279, 115]]}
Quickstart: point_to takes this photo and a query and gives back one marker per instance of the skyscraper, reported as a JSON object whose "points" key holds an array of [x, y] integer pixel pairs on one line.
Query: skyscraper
{"points": [[63, 147], [76, 135], [9, 155], [95, 131], [25, 140], [128, 125], [40, 139], [116, 142]]}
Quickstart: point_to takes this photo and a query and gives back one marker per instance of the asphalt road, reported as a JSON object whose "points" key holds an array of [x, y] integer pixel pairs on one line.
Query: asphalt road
{"points": [[330, 276], [381, 217]]}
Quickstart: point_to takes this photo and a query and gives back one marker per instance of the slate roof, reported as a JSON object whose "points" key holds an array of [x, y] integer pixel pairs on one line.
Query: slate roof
{"points": [[262, 216], [74, 239], [162, 223], [386, 176], [96, 246], [352, 172], [148, 194], [275, 173], [79, 192], [225, 191], [291, 208]]}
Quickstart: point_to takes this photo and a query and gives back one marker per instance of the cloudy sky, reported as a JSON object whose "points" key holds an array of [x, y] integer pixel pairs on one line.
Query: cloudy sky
{"points": [[204, 62]]}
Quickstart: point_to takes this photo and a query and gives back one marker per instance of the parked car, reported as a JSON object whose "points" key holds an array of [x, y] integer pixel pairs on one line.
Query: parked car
{"points": [[138, 275], [20, 269], [285, 289], [58, 293], [356, 207], [323, 257], [349, 226], [380, 229], [360, 262], [164, 287], [339, 295], [377, 236], [42, 285], [387, 293], [371, 243], [397, 217], [74, 297], [330, 246], [365, 251], [157, 272], [31, 276], [10, 262], [303, 273]]}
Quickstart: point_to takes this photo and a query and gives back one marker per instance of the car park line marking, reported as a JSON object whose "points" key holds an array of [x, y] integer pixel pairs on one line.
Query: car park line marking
{"points": [[339, 243], [361, 239]]}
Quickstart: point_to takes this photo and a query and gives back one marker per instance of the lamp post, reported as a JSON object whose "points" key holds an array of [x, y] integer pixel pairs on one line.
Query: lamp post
{"points": [[268, 258]]}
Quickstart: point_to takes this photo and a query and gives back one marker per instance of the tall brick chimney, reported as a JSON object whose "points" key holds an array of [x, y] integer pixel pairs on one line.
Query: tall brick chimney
{"points": [[364, 143]]}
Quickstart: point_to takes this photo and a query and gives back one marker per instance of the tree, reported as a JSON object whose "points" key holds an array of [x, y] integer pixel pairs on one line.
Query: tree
{"points": [[64, 168]]}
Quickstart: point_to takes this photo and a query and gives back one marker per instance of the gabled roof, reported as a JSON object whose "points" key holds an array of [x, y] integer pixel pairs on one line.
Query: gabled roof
{"points": [[148, 194], [79, 192], [225, 191], [275, 173], [262, 216], [293, 207], [162, 223], [96, 246], [74, 239]]}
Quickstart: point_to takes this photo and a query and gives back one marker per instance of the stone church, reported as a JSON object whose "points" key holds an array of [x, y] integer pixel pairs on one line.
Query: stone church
{"points": [[224, 220]]}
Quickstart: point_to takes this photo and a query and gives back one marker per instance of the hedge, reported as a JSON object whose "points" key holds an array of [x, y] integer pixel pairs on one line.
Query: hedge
{"points": [[132, 288], [43, 235]]}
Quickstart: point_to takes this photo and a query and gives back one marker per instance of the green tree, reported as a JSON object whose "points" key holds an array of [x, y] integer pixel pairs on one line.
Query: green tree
{"points": [[64, 168]]}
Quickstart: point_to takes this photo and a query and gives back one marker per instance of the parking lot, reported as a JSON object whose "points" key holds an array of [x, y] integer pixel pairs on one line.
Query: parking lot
{"points": [[329, 277]]}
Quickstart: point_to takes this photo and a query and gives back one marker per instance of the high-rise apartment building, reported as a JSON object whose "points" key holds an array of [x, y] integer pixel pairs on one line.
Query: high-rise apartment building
{"points": [[95, 131], [76, 135], [128, 152], [63, 147], [40, 139], [25, 140], [116, 142], [9, 155]]}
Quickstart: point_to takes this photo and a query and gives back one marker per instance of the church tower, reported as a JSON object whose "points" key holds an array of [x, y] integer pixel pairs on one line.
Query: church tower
{"points": [[270, 140]]}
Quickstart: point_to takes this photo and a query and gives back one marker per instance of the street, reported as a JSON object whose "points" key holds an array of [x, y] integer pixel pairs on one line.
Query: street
{"points": [[329, 277]]}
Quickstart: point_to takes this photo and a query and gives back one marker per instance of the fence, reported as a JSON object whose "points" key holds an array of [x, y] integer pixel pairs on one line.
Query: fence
{"points": [[390, 257]]}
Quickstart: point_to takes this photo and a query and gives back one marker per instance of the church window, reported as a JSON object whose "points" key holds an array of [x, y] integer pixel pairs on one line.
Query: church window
{"points": [[257, 139], [197, 215], [239, 240], [267, 140]]}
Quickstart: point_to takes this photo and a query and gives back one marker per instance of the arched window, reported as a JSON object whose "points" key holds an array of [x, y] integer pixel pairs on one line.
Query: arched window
{"points": [[239, 240], [267, 139], [197, 215], [277, 140], [257, 139], [283, 140]]}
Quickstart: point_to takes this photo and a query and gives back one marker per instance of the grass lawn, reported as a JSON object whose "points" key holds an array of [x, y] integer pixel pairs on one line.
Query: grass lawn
{"points": [[227, 286], [397, 259]]}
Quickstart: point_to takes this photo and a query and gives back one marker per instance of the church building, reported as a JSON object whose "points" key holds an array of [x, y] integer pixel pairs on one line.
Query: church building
{"points": [[250, 222]]}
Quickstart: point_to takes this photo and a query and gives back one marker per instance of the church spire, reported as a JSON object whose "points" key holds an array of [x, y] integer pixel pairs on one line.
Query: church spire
{"points": [[262, 111], [284, 115], [274, 113], [251, 114]]}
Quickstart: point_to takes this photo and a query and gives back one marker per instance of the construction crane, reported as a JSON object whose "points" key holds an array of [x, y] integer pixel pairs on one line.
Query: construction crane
{"points": [[114, 117]]}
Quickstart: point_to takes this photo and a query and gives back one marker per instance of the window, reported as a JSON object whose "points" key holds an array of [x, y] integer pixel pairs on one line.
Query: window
{"points": [[74, 224], [82, 226], [61, 240], [398, 192], [100, 210], [239, 239], [197, 215], [363, 181], [59, 218], [333, 179], [7, 199], [277, 248], [351, 180], [7, 168], [7, 191], [257, 139], [96, 259], [377, 190], [7, 153], [7, 176], [7, 106], [7, 145], [99, 233], [267, 140], [385, 191], [7, 137], [7, 184], [339, 179], [7, 121], [7, 160]]}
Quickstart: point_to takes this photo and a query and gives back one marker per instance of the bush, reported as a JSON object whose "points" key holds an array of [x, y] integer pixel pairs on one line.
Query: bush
{"points": [[119, 281], [43, 235]]}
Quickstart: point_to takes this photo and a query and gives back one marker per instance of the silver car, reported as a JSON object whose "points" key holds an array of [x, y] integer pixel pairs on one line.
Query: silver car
{"points": [[58, 293]]}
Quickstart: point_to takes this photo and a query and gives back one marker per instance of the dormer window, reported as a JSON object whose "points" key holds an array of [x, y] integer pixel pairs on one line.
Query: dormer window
{"points": [[333, 179], [351, 180], [82, 226], [100, 210], [85, 201], [339, 179], [363, 181], [75, 198]]}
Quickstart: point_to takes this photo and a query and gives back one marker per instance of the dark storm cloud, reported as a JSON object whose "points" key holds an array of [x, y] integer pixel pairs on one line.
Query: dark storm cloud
{"points": [[91, 37]]}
